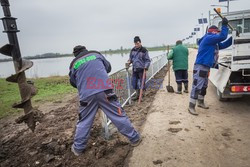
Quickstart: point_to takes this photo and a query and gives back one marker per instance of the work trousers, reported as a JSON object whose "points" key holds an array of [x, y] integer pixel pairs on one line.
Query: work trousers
{"points": [[200, 82], [137, 78], [181, 76], [108, 103]]}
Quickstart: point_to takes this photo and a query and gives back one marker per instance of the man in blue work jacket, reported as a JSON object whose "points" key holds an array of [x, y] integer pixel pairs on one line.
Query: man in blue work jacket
{"points": [[88, 73], [140, 61], [207, 56]]}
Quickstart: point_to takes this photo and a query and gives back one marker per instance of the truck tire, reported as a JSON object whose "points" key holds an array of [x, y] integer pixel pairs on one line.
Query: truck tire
{"points": [[220, 96]]}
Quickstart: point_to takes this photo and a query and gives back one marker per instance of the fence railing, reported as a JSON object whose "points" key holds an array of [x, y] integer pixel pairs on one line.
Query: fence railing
{"points": [[123, 88]]}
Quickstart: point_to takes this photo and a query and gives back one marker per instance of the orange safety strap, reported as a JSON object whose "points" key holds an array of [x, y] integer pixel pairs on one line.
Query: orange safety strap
{"points": [[119, 111]]}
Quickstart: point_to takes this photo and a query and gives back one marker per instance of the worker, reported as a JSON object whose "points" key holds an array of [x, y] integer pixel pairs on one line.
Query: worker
{"points": [[88, 73], [207, 56], [140, 61], [179, 55]]}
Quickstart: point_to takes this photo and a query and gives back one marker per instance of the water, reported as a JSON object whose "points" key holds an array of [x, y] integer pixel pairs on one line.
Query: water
{"points": [[60, 66]]}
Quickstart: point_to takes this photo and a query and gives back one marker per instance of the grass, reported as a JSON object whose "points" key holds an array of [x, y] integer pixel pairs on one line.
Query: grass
{"points": [[49, 89]]}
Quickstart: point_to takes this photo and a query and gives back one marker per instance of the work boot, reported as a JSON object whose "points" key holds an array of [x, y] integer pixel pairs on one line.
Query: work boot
{"points": [[137, 93], [137, 143], [191, 109], [201, 104], [186, 88], [179, 88], [76, 153]]}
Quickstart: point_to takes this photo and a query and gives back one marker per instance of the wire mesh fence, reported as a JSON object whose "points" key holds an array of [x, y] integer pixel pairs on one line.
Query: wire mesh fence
{"points": [[121, 81]]}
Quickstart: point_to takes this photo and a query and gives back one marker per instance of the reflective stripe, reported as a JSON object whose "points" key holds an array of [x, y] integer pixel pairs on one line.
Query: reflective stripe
{"points": [[200, 97], [192, 101]]}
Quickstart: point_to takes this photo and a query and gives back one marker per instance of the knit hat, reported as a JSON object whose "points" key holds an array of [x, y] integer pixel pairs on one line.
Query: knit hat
{"points": [[77, 49], [137, 39], [213, 28], [178, 42]]}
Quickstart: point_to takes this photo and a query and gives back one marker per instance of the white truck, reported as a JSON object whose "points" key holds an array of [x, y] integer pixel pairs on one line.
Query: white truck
{"points": [[232, 79]]}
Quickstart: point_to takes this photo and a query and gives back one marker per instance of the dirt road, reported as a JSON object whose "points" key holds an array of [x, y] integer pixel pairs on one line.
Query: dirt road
{"points": [[218, 137]]}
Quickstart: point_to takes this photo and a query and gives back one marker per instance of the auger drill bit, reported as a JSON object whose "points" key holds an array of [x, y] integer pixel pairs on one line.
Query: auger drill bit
{"points": [[26, 89]]}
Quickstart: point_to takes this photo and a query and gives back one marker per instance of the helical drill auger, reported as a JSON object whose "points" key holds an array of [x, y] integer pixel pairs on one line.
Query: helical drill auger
{"points": [[26, 88]]}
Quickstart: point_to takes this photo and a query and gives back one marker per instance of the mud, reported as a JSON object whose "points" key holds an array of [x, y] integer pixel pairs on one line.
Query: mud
{"points": [[175, 130], [53, 137]]}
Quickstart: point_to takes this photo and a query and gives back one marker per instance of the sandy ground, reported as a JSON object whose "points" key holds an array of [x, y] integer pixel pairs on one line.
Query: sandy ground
{"points": [[218, 137]]}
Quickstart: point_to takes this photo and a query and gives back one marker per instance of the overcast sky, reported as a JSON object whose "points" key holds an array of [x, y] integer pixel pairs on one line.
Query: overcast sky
{"points": [[58, 25]]}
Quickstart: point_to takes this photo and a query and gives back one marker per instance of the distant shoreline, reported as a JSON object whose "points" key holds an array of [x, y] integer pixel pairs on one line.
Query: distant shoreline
{"points": [[106, 52]]}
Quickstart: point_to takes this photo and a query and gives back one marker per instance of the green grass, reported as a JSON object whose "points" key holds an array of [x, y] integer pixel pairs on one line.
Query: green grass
{"points": [[49, 89]]}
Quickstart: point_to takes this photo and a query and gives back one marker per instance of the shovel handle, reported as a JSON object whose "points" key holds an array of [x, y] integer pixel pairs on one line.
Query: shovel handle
{"points": [[222, 17], [169, 64], [168, 48]]}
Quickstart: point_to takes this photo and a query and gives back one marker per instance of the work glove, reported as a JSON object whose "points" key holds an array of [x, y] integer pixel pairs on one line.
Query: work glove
{"points": [[127, 65], [237, 33], [224, 21]]}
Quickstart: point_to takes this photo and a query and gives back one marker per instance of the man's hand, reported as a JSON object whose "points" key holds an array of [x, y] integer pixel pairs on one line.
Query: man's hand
{"points": [[224, 21], [146, 69], [127, 65], [237, 33]]}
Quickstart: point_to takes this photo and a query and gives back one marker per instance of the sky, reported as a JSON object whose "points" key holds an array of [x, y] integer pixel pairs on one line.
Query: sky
{"points": [[59, 25]]}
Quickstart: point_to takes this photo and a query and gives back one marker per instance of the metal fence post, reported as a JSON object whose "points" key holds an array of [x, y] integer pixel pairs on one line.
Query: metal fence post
{"points": [[158, 63], [128, 86], [105, 125], [152, 68]]}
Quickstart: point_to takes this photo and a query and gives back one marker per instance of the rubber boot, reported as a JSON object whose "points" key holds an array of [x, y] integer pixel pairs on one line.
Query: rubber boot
{"points": [[137, 93], [135, 144], [191, 109], [201, 104], [179, 88], [186, 88]]}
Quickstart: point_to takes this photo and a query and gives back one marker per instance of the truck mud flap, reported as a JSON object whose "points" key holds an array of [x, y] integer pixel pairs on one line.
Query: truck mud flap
{"points": [[219, 77]]}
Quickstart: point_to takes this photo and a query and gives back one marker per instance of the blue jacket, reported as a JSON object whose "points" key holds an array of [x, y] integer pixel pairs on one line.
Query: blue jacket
{"points": [[139, 58], [208, 45], [88, 73]]}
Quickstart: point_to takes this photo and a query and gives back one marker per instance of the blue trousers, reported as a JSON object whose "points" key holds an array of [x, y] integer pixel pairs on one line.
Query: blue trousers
{"points": [[200, 82], [181, 76], [111, 107], [137, 79]]}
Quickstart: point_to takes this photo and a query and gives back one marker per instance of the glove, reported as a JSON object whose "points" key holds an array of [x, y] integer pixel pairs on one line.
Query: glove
{"points": [[237, 33], [127, 65], [224, 21]]}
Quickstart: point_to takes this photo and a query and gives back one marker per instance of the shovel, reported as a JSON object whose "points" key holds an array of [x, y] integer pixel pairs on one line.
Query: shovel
{"points": [[229, 25], [170, 89]]}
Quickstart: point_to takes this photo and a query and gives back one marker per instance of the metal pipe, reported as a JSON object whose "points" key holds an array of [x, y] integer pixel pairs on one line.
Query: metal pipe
{"points": [[128, 86]]}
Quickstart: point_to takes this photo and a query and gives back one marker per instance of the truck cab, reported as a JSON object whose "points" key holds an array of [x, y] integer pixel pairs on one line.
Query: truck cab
{"points": [[232, 78]]}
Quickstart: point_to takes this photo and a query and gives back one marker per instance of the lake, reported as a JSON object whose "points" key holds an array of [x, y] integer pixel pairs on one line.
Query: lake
{"points": [[60, 66]]}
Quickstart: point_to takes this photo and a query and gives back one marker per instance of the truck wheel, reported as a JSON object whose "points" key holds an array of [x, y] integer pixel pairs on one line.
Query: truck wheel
{"points": [[220, 97]]}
